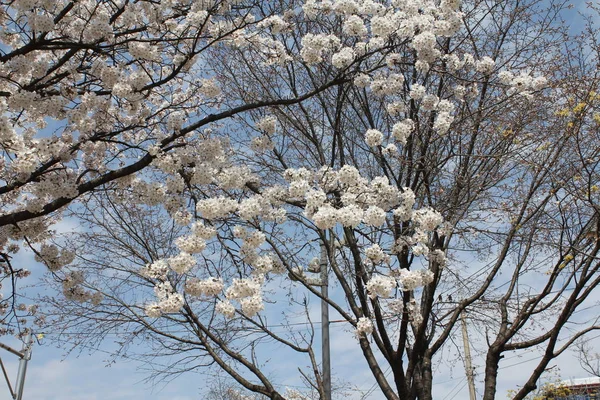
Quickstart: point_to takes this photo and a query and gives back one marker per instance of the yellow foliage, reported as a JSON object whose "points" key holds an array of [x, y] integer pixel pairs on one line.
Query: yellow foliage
{"points": [[579, 108], [566, 260], [507, 133]]}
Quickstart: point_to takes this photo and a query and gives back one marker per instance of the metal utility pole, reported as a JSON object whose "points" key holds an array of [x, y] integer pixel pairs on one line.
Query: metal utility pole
{"points": [[326, 355], [468, 365], [24, 356], [23, 366]]}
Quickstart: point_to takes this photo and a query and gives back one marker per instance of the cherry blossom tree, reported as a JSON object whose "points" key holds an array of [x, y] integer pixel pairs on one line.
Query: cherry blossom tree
{"points": [[436, 157], [94, 92]]}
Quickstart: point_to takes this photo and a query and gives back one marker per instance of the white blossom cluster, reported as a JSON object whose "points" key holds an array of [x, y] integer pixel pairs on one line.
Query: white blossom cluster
{"points": [[247, 209], [53, 257], [215, 208], [169, 300], [414, 312], [275, 23], [293, 394], [373, 137], [206, 287], [249, 294], [73, 289], [182, 262], [427, 219], [402, 130], [155, 270], [364, 327], [225, 308], [363, 202], [385, 85], [190, 244], [267, 125], [314, 47], [395, 306], [343, 58], [381, 286], [375, 254], [354, 25], [410, 280], [485, 65]]}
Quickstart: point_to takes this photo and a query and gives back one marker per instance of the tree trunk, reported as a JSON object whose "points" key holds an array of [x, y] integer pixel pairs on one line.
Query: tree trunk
{"points": [[491, 373]]}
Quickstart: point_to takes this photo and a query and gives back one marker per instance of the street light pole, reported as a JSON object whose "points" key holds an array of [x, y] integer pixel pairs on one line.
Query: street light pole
{"points": [[26, 351], [326, 355], [24, 356], [468, 365]]}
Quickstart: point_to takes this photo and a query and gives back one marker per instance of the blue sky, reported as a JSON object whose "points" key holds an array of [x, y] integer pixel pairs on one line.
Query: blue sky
{"points": [[51, 376]]}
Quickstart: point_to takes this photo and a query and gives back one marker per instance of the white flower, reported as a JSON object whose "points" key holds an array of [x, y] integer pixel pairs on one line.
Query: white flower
{"points": [[267, 125], [275, 22], [390, 150], [241, 288], [382, 26], [362, 80], [410, 280], [225, 308], [417, 92], [190, 244], [313, 47], [375, 254], [539, 82], [374, 216], [420, 249], [429, 102], [326, 217], [250, 208], [396, 306], [364, 327], [373, 137], [505, 77], [395, 108], [348, 175], [217, 207], [156, 270], [414, 312], [202, 231], [428, 219], [175, 121], [425, 44], [402, 130], [207, 287], [485, 65], [354, 26], [343, 58], [153, 310], [381, 286], [252, 305], [442, 122], [350, 216], [182, 262]]}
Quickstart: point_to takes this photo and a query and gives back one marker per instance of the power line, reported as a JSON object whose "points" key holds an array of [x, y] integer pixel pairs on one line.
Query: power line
{"points": [[96, 333], [454, 388], [372, 388], [458, 391]]}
